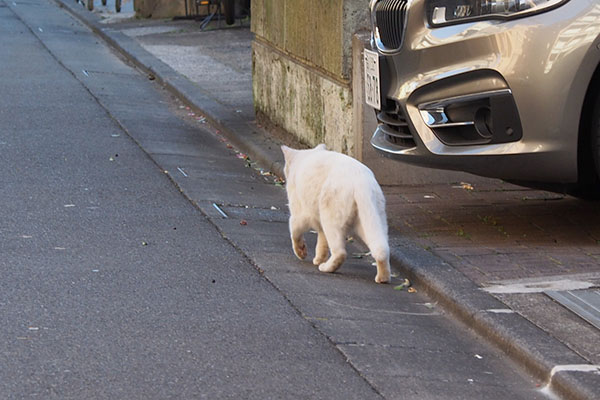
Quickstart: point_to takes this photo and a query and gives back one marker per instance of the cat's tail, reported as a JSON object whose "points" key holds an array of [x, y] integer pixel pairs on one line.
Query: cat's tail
{"points": [[372, 227]]}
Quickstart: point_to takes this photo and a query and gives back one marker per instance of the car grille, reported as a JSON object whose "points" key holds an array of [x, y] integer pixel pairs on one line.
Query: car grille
{"points": [[395, 128], [390, 17]]}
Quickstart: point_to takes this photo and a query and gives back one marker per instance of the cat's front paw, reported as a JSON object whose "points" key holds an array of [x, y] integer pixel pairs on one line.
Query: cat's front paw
{"points": [[300, 250]]}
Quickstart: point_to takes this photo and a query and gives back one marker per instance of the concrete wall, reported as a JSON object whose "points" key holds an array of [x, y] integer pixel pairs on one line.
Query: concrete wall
{"points": [[302, 67]]}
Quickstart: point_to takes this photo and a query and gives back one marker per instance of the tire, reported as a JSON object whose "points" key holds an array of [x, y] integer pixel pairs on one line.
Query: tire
{"points": [[118, 5], [89, 4], [588, 185], [595, 135], [104, 3], [229, 11]]}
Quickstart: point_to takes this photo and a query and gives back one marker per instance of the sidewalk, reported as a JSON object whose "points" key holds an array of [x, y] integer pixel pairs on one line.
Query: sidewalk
{"points": [[452, 239]]}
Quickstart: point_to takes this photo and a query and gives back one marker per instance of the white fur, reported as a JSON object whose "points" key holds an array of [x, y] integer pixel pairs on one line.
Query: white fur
{"points": [[335, 194]]}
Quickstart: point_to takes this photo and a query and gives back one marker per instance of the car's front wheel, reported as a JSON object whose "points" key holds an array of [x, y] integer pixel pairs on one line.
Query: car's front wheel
{"points": [[588, 185], [595, 135]]}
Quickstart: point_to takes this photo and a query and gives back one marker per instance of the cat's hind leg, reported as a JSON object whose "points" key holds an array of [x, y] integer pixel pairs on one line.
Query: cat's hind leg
{"points": [[322, 249], [383, 270], [376, 241], [337, 246], [297, 229]]}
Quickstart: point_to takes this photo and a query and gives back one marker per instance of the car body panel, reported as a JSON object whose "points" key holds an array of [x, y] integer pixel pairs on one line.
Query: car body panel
{"points": [[545, 60]]}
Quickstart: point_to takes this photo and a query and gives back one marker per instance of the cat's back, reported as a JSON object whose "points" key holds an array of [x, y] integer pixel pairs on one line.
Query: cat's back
{"points": [[326, 160], [346, 169], [338, 175], [319, 166]]}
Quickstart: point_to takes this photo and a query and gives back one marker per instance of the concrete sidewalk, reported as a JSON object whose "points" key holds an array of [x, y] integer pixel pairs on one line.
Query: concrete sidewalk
{"points": [[487, 250]]}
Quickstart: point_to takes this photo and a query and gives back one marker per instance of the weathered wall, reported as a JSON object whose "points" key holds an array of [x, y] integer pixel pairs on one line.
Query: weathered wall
{"points": [[302, 67], [308, 30], [303, 101]]}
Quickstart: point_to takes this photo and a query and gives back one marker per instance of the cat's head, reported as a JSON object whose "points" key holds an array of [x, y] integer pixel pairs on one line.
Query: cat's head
{"points": [[290, 154]]}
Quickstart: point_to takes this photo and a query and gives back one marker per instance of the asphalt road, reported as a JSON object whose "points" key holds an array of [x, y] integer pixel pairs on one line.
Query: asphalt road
{"points": [[120, 280]]}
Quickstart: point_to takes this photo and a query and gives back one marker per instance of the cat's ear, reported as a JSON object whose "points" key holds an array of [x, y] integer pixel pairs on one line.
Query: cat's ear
{"points": [[287, 152], [321, 147]]}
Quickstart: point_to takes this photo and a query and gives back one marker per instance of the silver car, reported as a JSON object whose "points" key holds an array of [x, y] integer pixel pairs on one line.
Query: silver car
{"points": [[508, 89]]}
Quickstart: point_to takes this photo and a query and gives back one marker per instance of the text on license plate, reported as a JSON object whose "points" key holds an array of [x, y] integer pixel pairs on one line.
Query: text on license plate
{"points": [[372, 83]]}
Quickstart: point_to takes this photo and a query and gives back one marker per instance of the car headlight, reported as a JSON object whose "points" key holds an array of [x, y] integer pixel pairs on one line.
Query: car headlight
{"points": [[444, 12]]}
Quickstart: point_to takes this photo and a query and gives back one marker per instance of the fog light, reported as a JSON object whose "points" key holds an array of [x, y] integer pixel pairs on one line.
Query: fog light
{"points": [[474, 119]]}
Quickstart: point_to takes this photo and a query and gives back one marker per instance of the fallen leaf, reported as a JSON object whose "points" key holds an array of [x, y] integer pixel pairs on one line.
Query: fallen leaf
{"points": [[403, 285], [279, 181], [243, 222]]}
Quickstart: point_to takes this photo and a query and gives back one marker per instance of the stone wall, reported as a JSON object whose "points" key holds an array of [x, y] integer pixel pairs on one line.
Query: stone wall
{"points": [[302, 67]]}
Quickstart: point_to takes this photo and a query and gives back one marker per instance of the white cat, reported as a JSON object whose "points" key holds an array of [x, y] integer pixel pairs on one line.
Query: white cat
{"points": [[335, 194]]}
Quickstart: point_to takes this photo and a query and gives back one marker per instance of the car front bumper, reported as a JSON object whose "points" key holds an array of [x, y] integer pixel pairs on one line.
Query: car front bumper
{"points": [[495, 98]]}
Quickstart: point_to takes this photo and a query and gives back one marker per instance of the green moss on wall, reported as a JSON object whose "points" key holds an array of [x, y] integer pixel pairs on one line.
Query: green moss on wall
{"points": [[311, 107]]}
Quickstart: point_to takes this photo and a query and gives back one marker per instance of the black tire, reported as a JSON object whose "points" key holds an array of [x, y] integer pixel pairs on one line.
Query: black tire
{"points": [[104, 3], [595, 135], [229, 11], [118, 5], [588, 185]]}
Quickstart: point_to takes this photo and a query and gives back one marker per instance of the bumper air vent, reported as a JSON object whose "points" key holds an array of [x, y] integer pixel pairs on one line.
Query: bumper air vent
{"points": [[393, 127]]}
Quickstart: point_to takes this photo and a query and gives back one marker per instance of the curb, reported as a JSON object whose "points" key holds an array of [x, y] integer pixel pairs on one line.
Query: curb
{"points": [[520, 339]]}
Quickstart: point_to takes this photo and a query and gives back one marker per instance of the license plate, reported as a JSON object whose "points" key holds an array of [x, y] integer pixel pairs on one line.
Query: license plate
{"points": [[372, 83]]}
